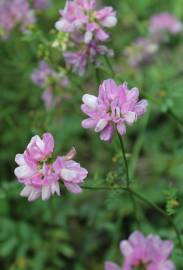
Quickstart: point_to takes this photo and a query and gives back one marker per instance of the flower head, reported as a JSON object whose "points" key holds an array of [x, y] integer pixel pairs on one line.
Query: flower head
{"points": [[13, 13], [165, 22], [148, 253], [40, 172], [114, 108], [86, 27], [47, 78], [140, 52]]}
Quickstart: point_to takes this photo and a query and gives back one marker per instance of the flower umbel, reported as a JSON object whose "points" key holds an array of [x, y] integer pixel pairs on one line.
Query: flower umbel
{"points": [[115, 107], [86, 27], [40, 172], [146, 253]]}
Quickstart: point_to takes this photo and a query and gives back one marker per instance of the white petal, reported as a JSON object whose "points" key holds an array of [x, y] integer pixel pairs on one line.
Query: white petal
{"points": [[130, 117], [88, 37], [55, 188], [68, 175], [35, 194], [102, 123], [46, 193], [23, 172], [110, 21], [40, 143], [19, 159], [74, 188], [26, 191], [90, 101]]}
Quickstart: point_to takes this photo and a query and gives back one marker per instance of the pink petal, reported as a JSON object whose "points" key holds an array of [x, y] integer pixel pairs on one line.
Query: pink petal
{"points": [[74, 188], [106, 134], [111, 266]]}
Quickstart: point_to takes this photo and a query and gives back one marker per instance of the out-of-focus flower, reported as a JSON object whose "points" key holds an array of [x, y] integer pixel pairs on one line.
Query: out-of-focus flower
{"points": [[165, 22], [40, 173], [13, 13], [86, 28], [40, 4], [71, 173], [47, 78], [148, 253], [79, 59], [141, 51], [35, 171], [114, 107]]}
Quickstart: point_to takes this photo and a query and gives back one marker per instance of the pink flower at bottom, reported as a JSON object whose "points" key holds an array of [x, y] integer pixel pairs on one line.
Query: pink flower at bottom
{"points": [[114, 108], [147, 253]]}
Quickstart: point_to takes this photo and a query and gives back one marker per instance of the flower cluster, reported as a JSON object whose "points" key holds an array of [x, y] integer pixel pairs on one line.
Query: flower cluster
{"points": [[143, 49], [47, 78], [40, 172], [147, 253], [165, 22], [86, 27], [115, 107], [13, 13]]}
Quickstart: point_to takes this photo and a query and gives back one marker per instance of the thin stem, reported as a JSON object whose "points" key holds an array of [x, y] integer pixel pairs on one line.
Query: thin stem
{"points": [[97, 75], [128, 179], [138, 146], [175, 117], [109, 66], [147, 202], [125, 159], [161, 211]]}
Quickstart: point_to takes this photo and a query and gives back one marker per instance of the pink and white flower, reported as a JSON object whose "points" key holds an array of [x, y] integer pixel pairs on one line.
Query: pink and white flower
{"points": [[70, 172], [150, 253], [81, 16], [35, 171], [114, 108], [165, 22], [40, 173], [15, 13], [86, 28]]}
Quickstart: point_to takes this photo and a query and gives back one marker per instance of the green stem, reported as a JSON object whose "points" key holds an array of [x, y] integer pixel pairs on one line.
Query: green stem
{"points": [[145, 201], [97, 75], [161, 211], [175, 117], [109, 66], [125, 159], [128, 179], [138, 146]]}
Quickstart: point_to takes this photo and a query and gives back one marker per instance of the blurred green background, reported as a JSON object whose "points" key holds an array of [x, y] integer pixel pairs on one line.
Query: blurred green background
{"points": [[81, 232]]}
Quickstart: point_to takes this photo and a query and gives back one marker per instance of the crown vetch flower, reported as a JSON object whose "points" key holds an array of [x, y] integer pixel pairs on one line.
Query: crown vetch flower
{"points": [[140, 52], [150, 253], [47, 78], [40, 173], [86, 28], [13, 13], [114, 108], [165, 22], [80, 15], [70, 172], [35, 171]]}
